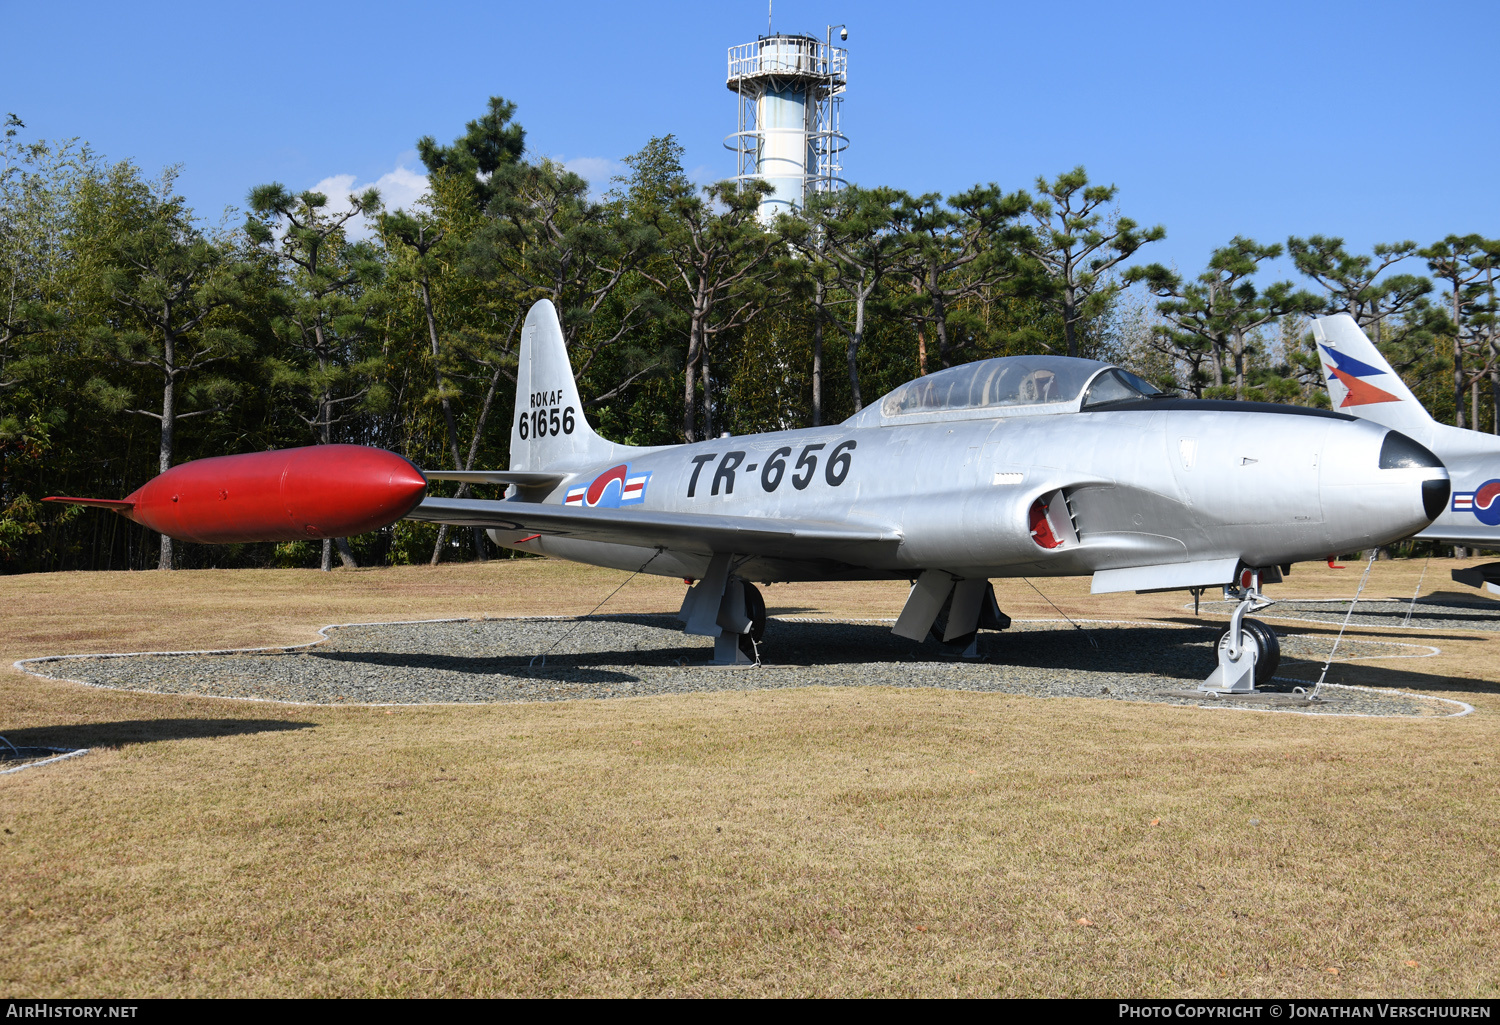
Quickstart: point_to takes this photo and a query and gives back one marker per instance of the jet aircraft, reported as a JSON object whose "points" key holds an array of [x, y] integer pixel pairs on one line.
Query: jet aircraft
{"points": [[1024, 466], [1361, 382]]}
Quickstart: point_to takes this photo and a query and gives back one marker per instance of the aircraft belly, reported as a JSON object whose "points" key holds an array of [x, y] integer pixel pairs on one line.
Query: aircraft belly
{"points": [[1460, 534], [693, 565], [613, 556]]}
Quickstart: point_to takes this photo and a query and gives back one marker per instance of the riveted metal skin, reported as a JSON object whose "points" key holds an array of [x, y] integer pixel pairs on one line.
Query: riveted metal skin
{"points": [[1261, 487]]}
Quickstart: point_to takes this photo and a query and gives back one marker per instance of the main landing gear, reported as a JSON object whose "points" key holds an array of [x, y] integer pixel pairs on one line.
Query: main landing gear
{"points": [[952, 610], [1249, 651], [755, 610], [729, 610]]}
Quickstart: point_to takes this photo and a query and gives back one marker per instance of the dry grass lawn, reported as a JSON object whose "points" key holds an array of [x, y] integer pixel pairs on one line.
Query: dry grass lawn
{"points": [[818, 841]]}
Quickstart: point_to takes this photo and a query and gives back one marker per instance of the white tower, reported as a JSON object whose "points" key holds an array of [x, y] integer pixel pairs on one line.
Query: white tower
{"points": [[789, 89]]}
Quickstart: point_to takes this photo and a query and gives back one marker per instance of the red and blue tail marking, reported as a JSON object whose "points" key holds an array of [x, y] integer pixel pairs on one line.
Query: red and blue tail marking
{"points": [[1347, 371]]}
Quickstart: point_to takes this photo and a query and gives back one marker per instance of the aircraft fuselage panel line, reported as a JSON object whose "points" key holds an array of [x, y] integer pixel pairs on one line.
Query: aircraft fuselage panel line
{"points": [[1038, 495]]}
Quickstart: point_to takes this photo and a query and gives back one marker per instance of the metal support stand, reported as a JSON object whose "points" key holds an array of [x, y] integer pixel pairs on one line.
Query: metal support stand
{"points": [[971, 607], [1236, 671], [1238, 653], [963, 614], [727, 652]]}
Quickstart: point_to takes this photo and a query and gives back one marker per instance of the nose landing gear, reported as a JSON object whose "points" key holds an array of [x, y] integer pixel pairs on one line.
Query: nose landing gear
{"points": [[1249, 651]]}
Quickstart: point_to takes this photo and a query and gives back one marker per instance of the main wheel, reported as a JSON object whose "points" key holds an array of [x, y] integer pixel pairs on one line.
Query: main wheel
{"points": [[1267, 650], [755, 608]]}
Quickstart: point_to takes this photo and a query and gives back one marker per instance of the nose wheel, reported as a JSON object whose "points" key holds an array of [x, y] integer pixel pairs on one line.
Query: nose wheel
{"points": [[1266, 650], [1249, 651]]}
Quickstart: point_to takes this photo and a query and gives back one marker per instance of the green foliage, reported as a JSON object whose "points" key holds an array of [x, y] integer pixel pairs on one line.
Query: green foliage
{"points": [[321, 307], [1212, 324], [21, 454], [1075, 249], [489, 144]]}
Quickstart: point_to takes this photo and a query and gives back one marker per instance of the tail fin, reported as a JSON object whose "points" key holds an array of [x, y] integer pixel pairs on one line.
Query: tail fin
{"points": [[1360, 381], [549, 431]]}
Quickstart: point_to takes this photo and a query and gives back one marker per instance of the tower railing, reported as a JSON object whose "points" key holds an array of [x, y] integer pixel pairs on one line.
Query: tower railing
{"points": [[790, 56]]}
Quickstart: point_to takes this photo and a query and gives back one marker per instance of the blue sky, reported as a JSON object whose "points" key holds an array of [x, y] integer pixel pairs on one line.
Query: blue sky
{"points": [[1374, 121]]}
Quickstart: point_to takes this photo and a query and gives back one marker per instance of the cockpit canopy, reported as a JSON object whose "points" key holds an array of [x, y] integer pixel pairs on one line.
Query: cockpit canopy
{"points": [[1046, 383]]}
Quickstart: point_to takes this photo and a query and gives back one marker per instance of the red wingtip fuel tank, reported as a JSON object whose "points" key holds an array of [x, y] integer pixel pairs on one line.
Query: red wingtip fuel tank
{"points": [[292, 494]]}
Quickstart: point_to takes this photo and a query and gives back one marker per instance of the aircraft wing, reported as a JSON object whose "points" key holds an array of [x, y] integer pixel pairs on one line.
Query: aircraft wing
{"points": [[692, 532], [1479, 536], [521, 478]]}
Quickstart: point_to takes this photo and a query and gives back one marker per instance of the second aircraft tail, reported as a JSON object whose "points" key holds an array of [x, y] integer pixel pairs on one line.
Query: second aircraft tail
{"points": [[1360, 381]]}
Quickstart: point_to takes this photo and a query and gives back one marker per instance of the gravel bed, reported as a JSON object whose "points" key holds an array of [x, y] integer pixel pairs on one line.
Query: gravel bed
{"points": [[490, 660], [1432, 613]]}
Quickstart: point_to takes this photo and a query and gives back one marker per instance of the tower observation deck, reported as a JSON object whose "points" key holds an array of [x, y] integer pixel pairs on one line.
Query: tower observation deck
{"points": [[789, 89]]}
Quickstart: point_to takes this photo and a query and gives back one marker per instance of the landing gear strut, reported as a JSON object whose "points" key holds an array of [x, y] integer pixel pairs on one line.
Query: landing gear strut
{"points": [[952, 610], [1249, 651], [729, 610]]}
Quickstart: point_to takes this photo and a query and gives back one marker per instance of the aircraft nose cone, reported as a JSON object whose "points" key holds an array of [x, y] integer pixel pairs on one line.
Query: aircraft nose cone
{"points": [[1378, 486], [406, 481], [1398, 452]]}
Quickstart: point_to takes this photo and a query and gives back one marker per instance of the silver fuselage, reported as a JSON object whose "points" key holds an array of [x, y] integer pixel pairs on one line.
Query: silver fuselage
{"points": [[1142, 486]]}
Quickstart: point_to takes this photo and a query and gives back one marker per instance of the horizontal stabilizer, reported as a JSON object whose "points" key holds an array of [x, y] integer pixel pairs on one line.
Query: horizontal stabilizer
{"points": [[520, 478], [117, 504], [1486, 576], [686, 532]]}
